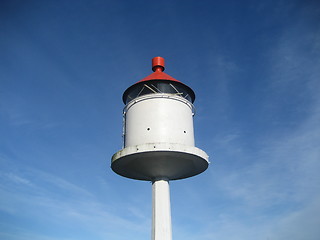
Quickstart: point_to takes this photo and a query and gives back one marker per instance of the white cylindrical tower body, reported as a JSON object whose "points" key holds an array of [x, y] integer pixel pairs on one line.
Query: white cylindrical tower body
{"points": [[158, 130], [159, 118]]}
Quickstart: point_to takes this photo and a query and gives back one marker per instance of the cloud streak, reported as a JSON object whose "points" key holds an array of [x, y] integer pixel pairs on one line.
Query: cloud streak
{"points": [[272, 185], [44, 197]]}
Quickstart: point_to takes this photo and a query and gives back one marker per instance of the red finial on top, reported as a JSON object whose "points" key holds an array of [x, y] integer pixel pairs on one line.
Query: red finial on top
{"points": [[158, 68], [158, 64]]}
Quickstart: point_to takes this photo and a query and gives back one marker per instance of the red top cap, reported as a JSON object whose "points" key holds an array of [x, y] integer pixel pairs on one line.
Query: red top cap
{"points": [[158, 68], [158, 64]]}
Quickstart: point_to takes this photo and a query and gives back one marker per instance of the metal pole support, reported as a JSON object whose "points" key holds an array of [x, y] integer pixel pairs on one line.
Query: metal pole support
{"points": [[161, 211]]}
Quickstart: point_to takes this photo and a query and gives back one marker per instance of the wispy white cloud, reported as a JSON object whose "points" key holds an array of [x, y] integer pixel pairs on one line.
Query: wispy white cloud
{"points": [[17, 179], [21, 234], [272, 189], [34, 194], [300, 224]]}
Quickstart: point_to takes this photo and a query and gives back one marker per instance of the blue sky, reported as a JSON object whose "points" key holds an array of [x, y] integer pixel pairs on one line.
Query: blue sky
{"points": [[255, 69]]}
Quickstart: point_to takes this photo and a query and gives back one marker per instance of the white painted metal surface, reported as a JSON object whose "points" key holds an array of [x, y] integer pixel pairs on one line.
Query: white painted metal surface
{"points": [[155, 118], [155, 160], [161, 211]]}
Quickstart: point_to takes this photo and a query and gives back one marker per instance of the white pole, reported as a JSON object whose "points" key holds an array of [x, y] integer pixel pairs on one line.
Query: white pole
{"points": [[161, 212]]}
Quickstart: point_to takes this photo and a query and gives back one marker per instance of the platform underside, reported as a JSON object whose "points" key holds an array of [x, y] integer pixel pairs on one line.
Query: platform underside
{"points": [[159, 163]]}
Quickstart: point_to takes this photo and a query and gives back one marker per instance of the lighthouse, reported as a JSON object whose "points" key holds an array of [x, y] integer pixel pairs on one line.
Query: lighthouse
{"points": [[158, 140]]}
